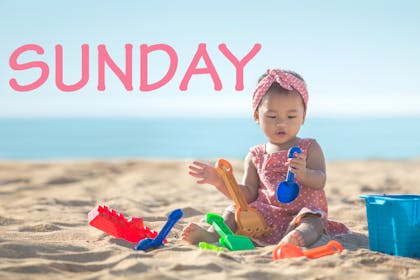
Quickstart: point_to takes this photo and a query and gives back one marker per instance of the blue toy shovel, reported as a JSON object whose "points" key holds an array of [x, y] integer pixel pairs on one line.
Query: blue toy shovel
{"points": [[288, 190], [147, 243]]}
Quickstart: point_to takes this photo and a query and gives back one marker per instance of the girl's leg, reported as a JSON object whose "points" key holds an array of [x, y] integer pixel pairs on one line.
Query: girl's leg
{"points": [[306, 232]]}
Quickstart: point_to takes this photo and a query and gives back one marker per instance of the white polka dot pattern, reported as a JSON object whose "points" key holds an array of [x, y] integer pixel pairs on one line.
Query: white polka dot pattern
{"points": [[286, 80], [272, 171]]}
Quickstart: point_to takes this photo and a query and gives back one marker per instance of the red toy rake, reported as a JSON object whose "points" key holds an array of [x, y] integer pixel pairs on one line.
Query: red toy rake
{"points": [[115, 224]]}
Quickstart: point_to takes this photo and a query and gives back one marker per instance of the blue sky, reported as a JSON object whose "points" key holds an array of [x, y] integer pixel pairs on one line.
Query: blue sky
{"points": [[358, 57]]}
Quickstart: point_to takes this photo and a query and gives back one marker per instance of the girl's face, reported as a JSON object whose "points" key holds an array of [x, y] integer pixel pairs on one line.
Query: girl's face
{"points": [[280, 114]]}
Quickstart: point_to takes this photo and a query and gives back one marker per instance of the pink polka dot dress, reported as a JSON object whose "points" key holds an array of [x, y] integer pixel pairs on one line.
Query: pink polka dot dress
{"points": [[272, 171]]}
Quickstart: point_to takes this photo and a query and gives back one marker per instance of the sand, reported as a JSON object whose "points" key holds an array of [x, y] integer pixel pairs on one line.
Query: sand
{"points": [[44, 231]]}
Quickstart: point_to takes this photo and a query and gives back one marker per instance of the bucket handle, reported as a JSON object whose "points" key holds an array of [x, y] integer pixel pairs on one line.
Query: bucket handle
{"points": [[373, 200]]}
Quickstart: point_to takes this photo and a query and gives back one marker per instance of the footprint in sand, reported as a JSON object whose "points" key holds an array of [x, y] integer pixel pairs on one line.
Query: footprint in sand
{"points": [[74, 202], [8, 221], [13, 181], [62, 181], [55, 258], [39, 228], [129, 266], [70, 202], [191, 212]]}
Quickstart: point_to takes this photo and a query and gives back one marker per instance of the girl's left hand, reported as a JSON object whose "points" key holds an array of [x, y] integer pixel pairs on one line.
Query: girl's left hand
{"points": [[297, 165]]}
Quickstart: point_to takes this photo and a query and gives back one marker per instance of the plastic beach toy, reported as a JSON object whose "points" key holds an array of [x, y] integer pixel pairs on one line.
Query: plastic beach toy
{"points": [[249, 220], [291, 251], [208, 246], [288, 190], [394, 223], [115, 224], [227, 238], [147, 243]]}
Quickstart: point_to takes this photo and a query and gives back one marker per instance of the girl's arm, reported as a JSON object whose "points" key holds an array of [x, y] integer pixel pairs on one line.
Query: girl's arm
{"points": [[207, 174], [310, 170], [250, 180]]}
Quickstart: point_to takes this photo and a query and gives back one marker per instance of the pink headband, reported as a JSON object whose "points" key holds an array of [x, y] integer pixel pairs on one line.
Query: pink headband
{"points": [[286, 80]]}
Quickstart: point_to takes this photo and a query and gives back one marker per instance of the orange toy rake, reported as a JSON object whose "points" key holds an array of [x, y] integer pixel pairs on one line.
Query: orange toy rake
{"points": [[249, 220], [285, 251]]}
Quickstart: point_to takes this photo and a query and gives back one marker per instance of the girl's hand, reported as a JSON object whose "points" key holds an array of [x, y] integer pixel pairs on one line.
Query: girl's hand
{"points": [[297, 165], [206, 174]]}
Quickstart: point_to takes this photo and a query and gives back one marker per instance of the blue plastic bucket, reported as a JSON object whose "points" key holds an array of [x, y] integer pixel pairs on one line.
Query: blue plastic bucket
{"points": [[394, 224]]}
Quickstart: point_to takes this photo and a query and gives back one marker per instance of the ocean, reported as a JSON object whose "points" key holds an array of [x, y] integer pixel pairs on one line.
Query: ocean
{"points": [[176, 138]]}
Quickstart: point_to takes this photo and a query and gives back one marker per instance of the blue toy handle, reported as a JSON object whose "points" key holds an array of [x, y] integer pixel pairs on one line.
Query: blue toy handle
{"points": [[373, 200], [290, 176], [173, 217]]}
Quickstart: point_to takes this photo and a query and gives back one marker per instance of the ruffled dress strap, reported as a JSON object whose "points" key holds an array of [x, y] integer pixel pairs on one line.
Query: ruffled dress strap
{"points": [[258, 153], [304, 144]]}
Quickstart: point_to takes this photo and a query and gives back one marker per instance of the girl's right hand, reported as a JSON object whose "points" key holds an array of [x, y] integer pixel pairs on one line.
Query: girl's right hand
{"points": [[206, 174]]}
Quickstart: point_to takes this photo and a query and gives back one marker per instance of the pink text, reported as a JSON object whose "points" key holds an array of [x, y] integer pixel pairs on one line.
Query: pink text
{"points": [[125, 74]]}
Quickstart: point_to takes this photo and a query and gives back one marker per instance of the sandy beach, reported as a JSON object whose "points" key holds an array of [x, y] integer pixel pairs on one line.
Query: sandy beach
{"points": [[44, 231]]}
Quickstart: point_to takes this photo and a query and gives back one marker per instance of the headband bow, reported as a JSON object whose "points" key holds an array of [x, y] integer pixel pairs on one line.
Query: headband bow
{"points": [[286, 80]]}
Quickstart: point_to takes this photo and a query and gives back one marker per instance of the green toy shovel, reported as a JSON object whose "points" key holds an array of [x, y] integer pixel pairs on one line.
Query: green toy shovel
{"points": [[227, 238]]}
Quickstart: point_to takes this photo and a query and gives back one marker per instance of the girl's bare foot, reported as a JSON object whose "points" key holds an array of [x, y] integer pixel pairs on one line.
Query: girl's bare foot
{"points": [[294, 237], [194, 234]]}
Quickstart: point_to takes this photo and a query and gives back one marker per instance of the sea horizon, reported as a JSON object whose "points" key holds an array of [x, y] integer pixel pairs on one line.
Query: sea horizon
{"points": [[73, 138]]}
